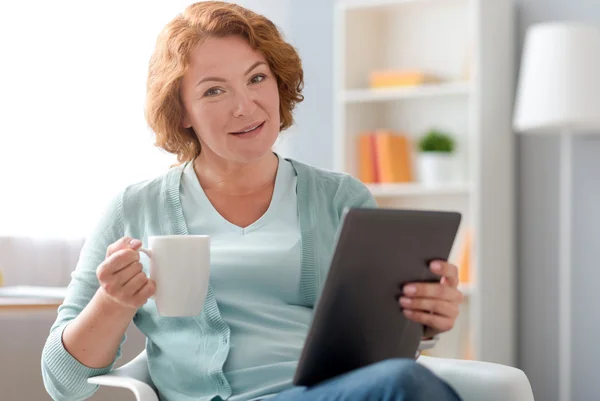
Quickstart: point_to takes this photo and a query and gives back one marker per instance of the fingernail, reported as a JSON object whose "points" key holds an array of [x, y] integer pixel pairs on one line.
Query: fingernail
{"points": [[405, 301], [135, 242], [410, 289], [436, 267]]}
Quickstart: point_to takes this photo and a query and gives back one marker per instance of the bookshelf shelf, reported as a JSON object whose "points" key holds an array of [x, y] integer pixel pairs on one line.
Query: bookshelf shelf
{"points": [[417, 189], [467, 47], [415, 92]]}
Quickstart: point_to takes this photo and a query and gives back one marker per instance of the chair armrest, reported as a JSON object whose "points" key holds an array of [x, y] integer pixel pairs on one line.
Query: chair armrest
{"points": [[133, 376], [472, 380], [476, 380]]}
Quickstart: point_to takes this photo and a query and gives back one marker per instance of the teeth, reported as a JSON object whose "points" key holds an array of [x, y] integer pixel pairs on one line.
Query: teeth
{"points": [[248, 130]]}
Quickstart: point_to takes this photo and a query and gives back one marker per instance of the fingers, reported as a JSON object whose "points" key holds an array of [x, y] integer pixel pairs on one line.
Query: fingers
{"points": [[121, 275], [134, 284], [447, 270], [433, 290], [444, 281], [133, 292], [126, 274], [429, 305], [145, 292], [116, 262], [436, 322], [434, 305], [136, 291], [123, 243]]}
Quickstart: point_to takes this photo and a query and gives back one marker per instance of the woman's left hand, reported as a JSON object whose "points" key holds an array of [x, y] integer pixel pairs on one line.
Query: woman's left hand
{"points": [[435, 305]]}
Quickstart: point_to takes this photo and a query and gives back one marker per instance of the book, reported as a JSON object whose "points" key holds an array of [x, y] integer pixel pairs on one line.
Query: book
{"points": [[384, 157], [366, 159], [464, 264], [400, 78]]}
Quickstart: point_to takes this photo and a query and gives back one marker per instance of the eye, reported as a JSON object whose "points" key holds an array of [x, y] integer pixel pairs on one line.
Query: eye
{"points": [[257, 78], [213, 92]]}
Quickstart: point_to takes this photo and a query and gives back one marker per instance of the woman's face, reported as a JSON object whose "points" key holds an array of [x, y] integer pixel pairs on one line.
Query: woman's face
{"points": [[231, 100]]}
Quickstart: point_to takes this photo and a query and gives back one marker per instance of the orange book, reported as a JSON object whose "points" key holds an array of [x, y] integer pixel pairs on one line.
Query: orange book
{"points": [[464, 264], [366, 159], [399, 78], [469, 353], [393, 157]]}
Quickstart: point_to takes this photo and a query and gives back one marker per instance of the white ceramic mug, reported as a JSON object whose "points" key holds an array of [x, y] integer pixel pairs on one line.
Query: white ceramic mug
{"points": [[180, 266]]}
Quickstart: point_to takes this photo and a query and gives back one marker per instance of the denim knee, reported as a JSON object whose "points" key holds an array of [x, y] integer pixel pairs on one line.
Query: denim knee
{"points": [[403, 373], [407, 380]]}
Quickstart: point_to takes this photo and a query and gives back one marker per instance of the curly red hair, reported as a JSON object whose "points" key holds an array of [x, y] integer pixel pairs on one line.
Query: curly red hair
{"points": [[170, 60]]}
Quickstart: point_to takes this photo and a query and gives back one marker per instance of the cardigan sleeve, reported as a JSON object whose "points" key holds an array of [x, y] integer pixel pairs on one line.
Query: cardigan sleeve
{"points": [[356, 194], [64, 377]]}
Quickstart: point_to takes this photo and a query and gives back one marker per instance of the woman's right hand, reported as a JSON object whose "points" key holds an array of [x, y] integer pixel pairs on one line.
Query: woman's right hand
{"points": [[121, 277]]}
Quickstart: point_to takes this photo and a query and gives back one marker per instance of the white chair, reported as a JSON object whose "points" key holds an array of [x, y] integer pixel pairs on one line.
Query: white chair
{"points": [[472, 380]]}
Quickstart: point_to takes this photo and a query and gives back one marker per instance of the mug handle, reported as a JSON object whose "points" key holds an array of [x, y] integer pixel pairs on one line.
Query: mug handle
{"points": [[149, 253]]}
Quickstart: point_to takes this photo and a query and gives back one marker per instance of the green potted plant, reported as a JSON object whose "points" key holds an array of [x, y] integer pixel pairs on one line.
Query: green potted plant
{"points": [[436, 159]]}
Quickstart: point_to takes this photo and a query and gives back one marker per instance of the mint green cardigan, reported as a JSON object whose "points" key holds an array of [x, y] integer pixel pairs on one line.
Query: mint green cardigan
{"points": [[153, 208]]}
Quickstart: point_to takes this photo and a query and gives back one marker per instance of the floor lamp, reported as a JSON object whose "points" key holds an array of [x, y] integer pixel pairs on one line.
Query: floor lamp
{"points": [[559, 94]]}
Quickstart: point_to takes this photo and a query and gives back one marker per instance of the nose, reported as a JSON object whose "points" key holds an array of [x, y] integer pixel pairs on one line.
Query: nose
{"points": [[245, 104]]}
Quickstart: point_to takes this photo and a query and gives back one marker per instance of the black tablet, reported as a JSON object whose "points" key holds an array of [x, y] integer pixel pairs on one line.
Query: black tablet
{"points": [[357, 319]]}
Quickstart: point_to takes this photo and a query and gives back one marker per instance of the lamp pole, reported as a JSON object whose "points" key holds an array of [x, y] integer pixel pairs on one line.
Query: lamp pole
{"points": [[564, 267]]}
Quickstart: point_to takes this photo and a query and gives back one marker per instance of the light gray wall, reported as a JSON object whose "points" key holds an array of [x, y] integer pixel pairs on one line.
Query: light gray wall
{"points": [[278, 11], [538, 207], [311, 32], [586, 273]]}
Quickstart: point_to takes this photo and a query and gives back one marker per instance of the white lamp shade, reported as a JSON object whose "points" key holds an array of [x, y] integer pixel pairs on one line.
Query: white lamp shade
{"points": [[559, 87]]}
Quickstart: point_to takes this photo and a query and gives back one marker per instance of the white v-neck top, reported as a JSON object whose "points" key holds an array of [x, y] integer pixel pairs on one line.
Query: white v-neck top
{"points": [[255, 276]]}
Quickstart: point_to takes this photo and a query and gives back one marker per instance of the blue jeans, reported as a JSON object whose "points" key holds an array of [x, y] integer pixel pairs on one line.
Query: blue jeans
{"points": [[390, 380]]}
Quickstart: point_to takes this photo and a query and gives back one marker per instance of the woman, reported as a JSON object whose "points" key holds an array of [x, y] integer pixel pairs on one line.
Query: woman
{"points": [[222, 85]]}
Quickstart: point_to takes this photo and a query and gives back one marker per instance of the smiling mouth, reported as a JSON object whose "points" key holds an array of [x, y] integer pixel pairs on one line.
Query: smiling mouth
{"points": [[251, 129]]}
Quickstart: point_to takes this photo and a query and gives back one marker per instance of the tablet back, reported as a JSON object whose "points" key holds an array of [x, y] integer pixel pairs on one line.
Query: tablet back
{"points": [[358, 320]]}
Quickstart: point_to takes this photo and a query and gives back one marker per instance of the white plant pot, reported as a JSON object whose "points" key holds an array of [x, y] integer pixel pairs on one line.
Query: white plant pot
{"points": [[436, 168]]}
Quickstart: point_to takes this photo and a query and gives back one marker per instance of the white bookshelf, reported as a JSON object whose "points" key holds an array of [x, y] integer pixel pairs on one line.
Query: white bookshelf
{"points": [[469, 44], [416, 189], [382, 95]]}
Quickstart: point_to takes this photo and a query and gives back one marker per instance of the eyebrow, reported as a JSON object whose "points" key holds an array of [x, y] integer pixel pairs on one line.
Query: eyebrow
{"points": [[219, 79]]}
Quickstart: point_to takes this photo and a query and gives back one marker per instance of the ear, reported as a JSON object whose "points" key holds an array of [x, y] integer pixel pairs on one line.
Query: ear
{"points": [[185, 120]]}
